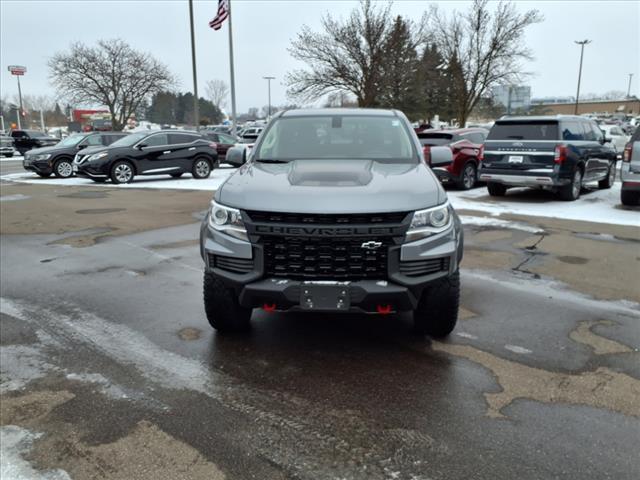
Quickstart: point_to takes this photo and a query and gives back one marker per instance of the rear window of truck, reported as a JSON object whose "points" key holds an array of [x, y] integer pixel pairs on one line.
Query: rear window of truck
{"points": [[524, 131]]}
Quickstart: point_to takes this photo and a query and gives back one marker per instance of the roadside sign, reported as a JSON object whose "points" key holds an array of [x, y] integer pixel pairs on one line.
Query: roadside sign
{"points": [[17, 69]]}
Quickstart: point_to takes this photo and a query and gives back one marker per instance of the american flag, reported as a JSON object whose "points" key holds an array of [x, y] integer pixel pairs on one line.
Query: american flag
{"points": [[221, 16]]}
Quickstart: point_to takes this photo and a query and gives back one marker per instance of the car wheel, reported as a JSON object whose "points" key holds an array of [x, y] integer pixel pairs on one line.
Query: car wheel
{"points": [[630, 198], [611, 177], [43, 175], [63, 168], [122, 172], [571, 192], [176, 175], [437, 311], [201, 168], [469, 176], [496, 189], [221, 306], [99, 180]]}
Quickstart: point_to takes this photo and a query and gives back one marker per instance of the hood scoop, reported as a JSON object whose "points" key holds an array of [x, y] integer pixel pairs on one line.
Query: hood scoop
{"points": [[330, 173]]}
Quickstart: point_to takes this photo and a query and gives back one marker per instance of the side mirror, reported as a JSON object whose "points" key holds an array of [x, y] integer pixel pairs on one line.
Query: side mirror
{"points": [[441, 156], [81, 146], [607, 139], [141, 146], [236, 156]]}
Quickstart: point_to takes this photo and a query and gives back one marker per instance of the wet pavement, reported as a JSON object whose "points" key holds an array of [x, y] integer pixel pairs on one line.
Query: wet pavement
{"points": [[109, 369]]}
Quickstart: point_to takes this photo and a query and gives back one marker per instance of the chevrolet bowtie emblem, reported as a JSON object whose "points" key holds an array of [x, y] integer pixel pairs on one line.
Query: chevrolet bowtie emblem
{"points": [[371, 245]]}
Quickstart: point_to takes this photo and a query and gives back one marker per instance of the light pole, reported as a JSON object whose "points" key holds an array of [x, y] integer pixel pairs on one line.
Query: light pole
{"points": [[268, 79], [629, 87], [582, 44]]}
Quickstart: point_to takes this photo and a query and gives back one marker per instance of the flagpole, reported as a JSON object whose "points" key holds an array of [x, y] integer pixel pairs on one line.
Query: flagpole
{"points": [[233, 82], [196, 106]]}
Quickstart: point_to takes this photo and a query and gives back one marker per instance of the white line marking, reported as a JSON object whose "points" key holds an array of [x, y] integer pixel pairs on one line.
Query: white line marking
{"points": [[517, 349]]}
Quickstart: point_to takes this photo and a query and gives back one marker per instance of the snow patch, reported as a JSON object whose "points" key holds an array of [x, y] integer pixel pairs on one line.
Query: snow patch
{"points": [[496, 222], [517, 349], [13, 198], [466, 335], [15, 443]]}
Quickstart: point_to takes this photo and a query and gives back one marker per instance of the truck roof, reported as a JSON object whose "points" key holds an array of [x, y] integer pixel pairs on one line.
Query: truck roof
{"points": [[312, 112], [539, 118]]}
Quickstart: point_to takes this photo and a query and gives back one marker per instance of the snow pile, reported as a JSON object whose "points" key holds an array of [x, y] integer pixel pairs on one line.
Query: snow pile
{"points": [[496, 222]]}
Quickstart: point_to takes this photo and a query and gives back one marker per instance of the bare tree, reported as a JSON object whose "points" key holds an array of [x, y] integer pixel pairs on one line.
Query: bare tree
{"points": [[217, 92], [111, 74], [489, 46]]}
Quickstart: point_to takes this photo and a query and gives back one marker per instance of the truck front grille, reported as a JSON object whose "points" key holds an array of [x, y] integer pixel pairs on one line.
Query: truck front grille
{"points": [[417, 268], [328, 219], [321, 257]]}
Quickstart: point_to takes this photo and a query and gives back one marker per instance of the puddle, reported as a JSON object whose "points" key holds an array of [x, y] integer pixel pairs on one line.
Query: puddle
{"points": [[85, 194], [573, 260]]}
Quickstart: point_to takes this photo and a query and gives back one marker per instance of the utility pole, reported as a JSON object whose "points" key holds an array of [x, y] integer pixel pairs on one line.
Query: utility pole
{"points": [[196, 106], [42, 120], [629, 87], [582, 44], [268, 79]]}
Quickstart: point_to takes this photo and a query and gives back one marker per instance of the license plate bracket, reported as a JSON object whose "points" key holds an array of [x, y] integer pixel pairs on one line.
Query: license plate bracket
{"points": [[74, 168], [314, 296], [516, 159]]}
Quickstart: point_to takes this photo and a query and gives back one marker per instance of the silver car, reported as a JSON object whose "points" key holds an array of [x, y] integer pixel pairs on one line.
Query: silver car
{"points": [[630, 171]]}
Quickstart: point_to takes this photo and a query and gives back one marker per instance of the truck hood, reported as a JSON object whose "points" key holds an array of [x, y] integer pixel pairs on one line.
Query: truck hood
{"points": [[331, 186]]}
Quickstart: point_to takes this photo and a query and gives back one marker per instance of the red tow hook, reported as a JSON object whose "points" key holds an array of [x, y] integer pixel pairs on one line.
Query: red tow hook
{"points": [[269, 307], [384, 309]]}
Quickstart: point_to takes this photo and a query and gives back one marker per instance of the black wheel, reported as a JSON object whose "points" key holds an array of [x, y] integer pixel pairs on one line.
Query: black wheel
{"points": [[630, 198], [468, 177], [222, 308], [63, 168], [7, 154], [122, 172], [437, 311], [571, 192], [201, 168], [43, 175], [496, 189], [99, 180], [610, 179], [176, 175]]}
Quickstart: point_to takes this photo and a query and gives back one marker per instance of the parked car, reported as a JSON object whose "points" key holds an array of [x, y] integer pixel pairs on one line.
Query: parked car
{"points": [[7, 148], [617, 136], [559, 152], [465, 144], [630, 171], [25, 140], [334, 211], [159, 152], [223, 141], [58, 159], [250, 134]]}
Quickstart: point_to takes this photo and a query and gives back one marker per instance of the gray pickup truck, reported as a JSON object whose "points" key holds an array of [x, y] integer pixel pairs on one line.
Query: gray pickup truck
{"points": [[333, 210]]}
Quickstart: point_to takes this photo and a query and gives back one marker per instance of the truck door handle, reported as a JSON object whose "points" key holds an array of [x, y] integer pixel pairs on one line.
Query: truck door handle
{"points": [[167, 151], [192, 148]]}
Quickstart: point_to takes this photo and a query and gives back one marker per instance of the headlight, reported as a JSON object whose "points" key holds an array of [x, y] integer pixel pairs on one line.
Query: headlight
{"points": [[227, 220], [429, 222], [42, 156], [96, 156]]}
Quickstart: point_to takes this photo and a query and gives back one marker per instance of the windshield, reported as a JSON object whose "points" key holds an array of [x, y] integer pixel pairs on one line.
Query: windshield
{"points": [[337, 136], [71, 141], [37, 134], [129, 140], [524, 131]]}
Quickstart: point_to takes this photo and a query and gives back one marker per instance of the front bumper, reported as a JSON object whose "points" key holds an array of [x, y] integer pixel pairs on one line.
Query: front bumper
{"points": [[542, 177], [397, 291], [38, 166], [7, 151]]}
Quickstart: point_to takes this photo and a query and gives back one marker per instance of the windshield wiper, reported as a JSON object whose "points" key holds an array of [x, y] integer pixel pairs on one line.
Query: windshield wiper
{"points": [[271, 160]]}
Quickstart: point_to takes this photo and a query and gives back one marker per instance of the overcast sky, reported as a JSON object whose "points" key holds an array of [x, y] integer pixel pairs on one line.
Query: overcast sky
{"points": [[32, 31]]}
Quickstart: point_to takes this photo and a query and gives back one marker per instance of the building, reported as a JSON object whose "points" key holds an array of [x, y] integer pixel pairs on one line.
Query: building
{"points": [[629, 106], [512, 97]]}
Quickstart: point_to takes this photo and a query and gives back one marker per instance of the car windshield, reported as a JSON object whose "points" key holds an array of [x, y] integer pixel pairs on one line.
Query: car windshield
{"points": [[37, 134], [524, 131], [72, 140], [435, 139], [383, 138], [129, 140]]}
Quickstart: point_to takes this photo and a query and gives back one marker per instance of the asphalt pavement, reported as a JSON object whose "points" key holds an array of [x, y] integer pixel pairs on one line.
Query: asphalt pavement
{"points": [[110, 370]]}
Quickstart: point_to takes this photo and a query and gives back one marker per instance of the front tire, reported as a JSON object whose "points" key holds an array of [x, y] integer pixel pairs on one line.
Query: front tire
{"points": [[437, 311], [496, 189], [43, 175], [610, 179], [571, 192], [121, 172], [63, 168], [224, 313], [99, 180], [176, 175], [468, 177], [201, 168]]}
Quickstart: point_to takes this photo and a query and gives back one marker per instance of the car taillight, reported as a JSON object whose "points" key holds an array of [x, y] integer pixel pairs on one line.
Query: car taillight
{"points": [[481, 154], [628, 150], [426, 153], [560, 154]]}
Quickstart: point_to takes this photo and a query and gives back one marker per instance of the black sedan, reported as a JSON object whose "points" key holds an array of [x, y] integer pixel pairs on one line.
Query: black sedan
{"points": [[58, 159], [160, 152]]}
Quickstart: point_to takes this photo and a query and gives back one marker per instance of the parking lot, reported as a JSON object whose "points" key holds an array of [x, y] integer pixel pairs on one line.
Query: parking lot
{"points": [[110, 369]]}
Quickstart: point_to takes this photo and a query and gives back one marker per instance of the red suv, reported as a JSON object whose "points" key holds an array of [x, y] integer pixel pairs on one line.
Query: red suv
{"points": [[466, 145]]}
